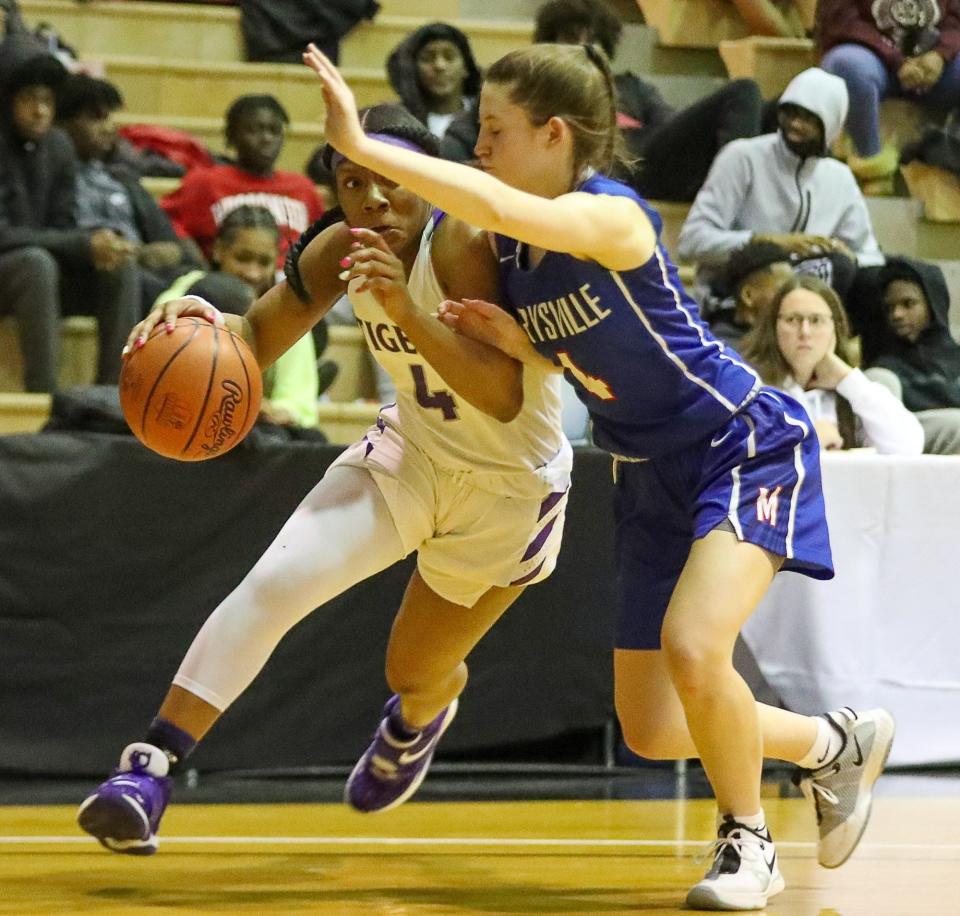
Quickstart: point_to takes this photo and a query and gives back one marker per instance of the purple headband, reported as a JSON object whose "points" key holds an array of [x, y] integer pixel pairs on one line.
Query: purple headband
{"points": [[338, 158]]}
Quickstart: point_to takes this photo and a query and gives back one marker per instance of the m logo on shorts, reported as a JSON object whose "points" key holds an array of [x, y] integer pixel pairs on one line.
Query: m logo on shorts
{"points": [[767, 503]]}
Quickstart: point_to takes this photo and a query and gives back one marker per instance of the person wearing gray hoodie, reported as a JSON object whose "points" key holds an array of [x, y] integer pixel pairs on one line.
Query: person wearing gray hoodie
{"points": [[784, 187]]}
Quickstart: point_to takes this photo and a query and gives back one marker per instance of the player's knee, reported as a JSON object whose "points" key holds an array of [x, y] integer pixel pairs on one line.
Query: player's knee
{"points": [[39, 264], [693, 663]]}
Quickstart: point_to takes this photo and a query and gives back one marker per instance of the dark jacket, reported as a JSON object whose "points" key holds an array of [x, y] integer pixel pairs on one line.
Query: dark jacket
{"points": [[642, 103], [37, 180], [279, 30], [928, 369], [461, 136], [855, 22]]}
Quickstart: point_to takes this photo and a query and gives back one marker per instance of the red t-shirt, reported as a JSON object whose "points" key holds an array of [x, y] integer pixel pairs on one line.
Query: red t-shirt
{"points": [[207, 195]]}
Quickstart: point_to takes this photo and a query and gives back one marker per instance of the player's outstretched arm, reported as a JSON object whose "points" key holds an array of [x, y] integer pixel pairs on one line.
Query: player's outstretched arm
{"points": [[612, 231]]}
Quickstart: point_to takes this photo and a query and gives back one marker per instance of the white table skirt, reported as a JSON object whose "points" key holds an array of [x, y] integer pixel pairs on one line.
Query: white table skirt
{"points": [[886, 630]]}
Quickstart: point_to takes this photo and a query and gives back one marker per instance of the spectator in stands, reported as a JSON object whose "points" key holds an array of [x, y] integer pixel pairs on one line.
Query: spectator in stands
{"points": [[777, 18], [436, 76], [800, 344], [110, 195], [244, 256], [883, 49], [674, 148], [11, 22], [755, 273], [255, 128], [914, 353], [752, 277], [49, 266], [783, 187]]}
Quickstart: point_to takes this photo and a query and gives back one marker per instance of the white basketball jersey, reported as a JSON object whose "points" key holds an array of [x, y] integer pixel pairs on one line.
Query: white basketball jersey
{"points": [[452, 432]]}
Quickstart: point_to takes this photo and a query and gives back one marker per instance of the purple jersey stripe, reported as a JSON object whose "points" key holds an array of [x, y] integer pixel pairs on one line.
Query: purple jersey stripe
{"points": [[539, 540], [550, 502], [523, 580]]}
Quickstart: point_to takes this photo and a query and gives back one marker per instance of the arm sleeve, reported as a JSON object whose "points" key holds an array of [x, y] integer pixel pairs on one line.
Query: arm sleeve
{"points": [[855, 228], [152, 221], [708, 234], [296, 386], [183, 204], [887, 425]]}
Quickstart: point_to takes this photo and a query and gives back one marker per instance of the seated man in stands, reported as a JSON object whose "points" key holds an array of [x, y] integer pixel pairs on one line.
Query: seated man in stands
{"points": [[911, 350], [111, 195], [783, 187], [255, 130], [888, 49], [752, 277], [674, 148], [436, 76], [49, 266]]}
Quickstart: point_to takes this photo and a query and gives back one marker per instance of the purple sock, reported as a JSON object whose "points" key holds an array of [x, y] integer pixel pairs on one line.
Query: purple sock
{"points": [[399, 728], [173, 741]]}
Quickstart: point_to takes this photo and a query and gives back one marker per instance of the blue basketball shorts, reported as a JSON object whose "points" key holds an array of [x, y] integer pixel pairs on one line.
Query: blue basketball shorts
{"points": [[758, 475]]}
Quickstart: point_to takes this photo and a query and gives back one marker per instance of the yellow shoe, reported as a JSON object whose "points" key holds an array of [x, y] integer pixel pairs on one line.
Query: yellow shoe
{"points": [[875, 173]]}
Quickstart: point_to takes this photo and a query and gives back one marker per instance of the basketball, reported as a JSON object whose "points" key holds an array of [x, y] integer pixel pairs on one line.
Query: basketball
{"points": [[192, 394]]}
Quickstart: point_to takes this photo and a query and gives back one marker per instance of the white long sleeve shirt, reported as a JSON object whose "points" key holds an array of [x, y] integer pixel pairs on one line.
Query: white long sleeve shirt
{"points": [[882, 420]]}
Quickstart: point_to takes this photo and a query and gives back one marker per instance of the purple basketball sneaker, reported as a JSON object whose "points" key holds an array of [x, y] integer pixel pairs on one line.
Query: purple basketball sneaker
{"points": [[390, 770], [124, 813]]}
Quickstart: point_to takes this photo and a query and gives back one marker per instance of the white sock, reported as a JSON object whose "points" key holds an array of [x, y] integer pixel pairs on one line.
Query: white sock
{"points": [[757, 822], [825, 746]]}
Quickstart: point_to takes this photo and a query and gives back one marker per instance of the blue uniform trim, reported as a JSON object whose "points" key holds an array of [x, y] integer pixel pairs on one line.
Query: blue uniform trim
{"points": [[760, 474], [631, 342]]}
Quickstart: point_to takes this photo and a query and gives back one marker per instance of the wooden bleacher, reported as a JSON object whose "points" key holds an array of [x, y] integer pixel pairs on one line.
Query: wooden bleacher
{"points": [[693, 23], [180, 65], [212, 34], [771, 62], [158, 54]]}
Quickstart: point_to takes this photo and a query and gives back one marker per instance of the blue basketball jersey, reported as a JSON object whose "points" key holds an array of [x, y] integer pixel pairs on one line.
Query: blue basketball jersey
{"points": [[631, 343]]}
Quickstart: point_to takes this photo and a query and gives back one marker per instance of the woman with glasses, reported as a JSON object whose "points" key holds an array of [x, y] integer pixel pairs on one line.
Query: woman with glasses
{"points": [[802, 346]]}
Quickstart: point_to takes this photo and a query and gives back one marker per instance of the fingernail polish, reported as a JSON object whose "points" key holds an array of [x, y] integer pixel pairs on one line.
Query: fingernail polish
{"points": [[354, 231], [169, 326], [344, 262]]}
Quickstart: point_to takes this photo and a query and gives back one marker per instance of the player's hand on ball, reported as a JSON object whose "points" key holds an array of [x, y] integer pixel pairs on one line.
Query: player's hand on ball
{"points": [[167, 314]]}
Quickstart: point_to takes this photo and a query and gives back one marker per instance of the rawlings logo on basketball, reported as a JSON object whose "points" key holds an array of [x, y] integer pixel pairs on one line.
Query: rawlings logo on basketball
{"points": [[173, 411], [220, 428]]}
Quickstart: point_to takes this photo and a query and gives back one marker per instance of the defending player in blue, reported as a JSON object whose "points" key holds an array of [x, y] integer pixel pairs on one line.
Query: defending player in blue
{"points": [[717, 477]]}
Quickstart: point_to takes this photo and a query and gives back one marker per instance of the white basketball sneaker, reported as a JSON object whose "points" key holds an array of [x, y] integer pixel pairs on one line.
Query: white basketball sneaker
{"points": [[842, 791], [744, 874]]}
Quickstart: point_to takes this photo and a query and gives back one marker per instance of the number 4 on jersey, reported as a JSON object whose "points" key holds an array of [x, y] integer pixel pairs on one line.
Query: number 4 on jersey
{"points": [[440, 400], [596, 386]]}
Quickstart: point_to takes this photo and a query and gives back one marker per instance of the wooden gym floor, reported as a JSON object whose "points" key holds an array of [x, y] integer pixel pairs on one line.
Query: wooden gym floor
{"points": [[491, 857]]}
